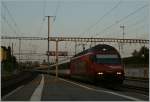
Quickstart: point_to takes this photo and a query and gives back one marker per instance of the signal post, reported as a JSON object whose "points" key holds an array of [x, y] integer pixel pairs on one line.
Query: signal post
{"points": [[56, 59]]}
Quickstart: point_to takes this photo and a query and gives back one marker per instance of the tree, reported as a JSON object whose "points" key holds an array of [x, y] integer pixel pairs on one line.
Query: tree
{"points": [[9, 52], [141, 56], [138, 57], [144, 54], [44, 61], [135, 53], [10, 63], [144, 51]]}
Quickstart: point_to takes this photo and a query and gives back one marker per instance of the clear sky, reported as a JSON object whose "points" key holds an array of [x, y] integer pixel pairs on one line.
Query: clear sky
{"points": [[84, 18]]}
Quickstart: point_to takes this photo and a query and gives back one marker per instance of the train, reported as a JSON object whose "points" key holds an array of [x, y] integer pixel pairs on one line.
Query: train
{"points": [[101, 63]]}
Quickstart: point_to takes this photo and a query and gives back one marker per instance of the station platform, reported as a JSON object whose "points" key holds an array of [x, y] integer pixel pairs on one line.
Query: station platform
{"points": [[48, 88]]}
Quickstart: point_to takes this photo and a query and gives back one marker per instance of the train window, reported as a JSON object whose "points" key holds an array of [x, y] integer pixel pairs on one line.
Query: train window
{"points": [[106, 59]]}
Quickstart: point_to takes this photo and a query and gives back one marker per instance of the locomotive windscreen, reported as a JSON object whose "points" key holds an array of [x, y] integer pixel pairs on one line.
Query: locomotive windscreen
{"points": [[100, 47], [106, 56], [106, 59]]}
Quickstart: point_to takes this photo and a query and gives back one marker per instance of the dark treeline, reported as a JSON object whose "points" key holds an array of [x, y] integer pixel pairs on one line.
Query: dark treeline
{"points": [[8, 61], [138, 57]]}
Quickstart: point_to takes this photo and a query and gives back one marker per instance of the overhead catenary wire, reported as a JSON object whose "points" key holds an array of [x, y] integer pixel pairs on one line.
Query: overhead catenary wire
{"points": [[56, 12], [14, 25], [132, 13], [131, 25], [4, 19], [9, 24], [102, 17], [16, 30], [43, 17], [138, 27], [136, 17], [137, 22], [44, 9], [12, 18]]}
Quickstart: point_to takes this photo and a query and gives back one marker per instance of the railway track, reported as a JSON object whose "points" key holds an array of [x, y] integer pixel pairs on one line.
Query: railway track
{"points": [[125, 87], [141, 90], [135, 84], [145, 80], [122, 88]]}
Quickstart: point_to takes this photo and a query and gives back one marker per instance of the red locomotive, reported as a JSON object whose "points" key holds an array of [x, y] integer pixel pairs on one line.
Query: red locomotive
{"points": [[99, 63]]}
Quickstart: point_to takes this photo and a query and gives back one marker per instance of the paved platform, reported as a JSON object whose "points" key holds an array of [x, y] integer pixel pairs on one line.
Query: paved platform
{"points": [[48, 88], [59, 90]]}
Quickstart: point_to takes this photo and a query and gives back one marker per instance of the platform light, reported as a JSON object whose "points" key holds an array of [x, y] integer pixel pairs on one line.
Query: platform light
{"points": [[119, 73]]}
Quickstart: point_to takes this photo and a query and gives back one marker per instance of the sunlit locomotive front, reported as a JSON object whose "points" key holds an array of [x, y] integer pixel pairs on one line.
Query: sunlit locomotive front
{"points": [[99, 63]]}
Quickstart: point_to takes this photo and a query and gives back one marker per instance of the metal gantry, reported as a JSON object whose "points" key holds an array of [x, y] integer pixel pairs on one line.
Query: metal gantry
{"points": [[78, 39], [75, 39], [24, 38]]}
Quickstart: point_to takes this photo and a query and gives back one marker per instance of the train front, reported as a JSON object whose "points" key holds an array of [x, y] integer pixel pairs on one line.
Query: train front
{"points": [[107, 66]]}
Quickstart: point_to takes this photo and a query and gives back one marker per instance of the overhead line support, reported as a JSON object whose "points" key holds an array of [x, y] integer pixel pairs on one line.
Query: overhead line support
{"points": [[144, 41]]}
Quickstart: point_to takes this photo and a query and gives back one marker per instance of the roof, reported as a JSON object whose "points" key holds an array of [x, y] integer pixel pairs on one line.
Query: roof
{"points": [[99, 47]]}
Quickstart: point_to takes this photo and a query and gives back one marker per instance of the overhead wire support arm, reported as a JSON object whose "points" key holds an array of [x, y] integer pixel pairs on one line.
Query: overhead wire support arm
{"points": [[144, 41], [24, 38]]}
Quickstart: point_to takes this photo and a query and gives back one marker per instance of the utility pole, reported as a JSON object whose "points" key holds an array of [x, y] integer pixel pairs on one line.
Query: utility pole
{"points": [[12, 55], [12, 49], [19, 51], [123, 31], [123, 35], [81, 44], [56, 59], [83, 47], [48, 36], [123, 41], [75, 47]]}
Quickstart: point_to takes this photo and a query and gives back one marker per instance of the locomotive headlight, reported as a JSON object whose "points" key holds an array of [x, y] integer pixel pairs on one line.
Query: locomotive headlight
{"points": [[119, 73], [100, 73]]}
